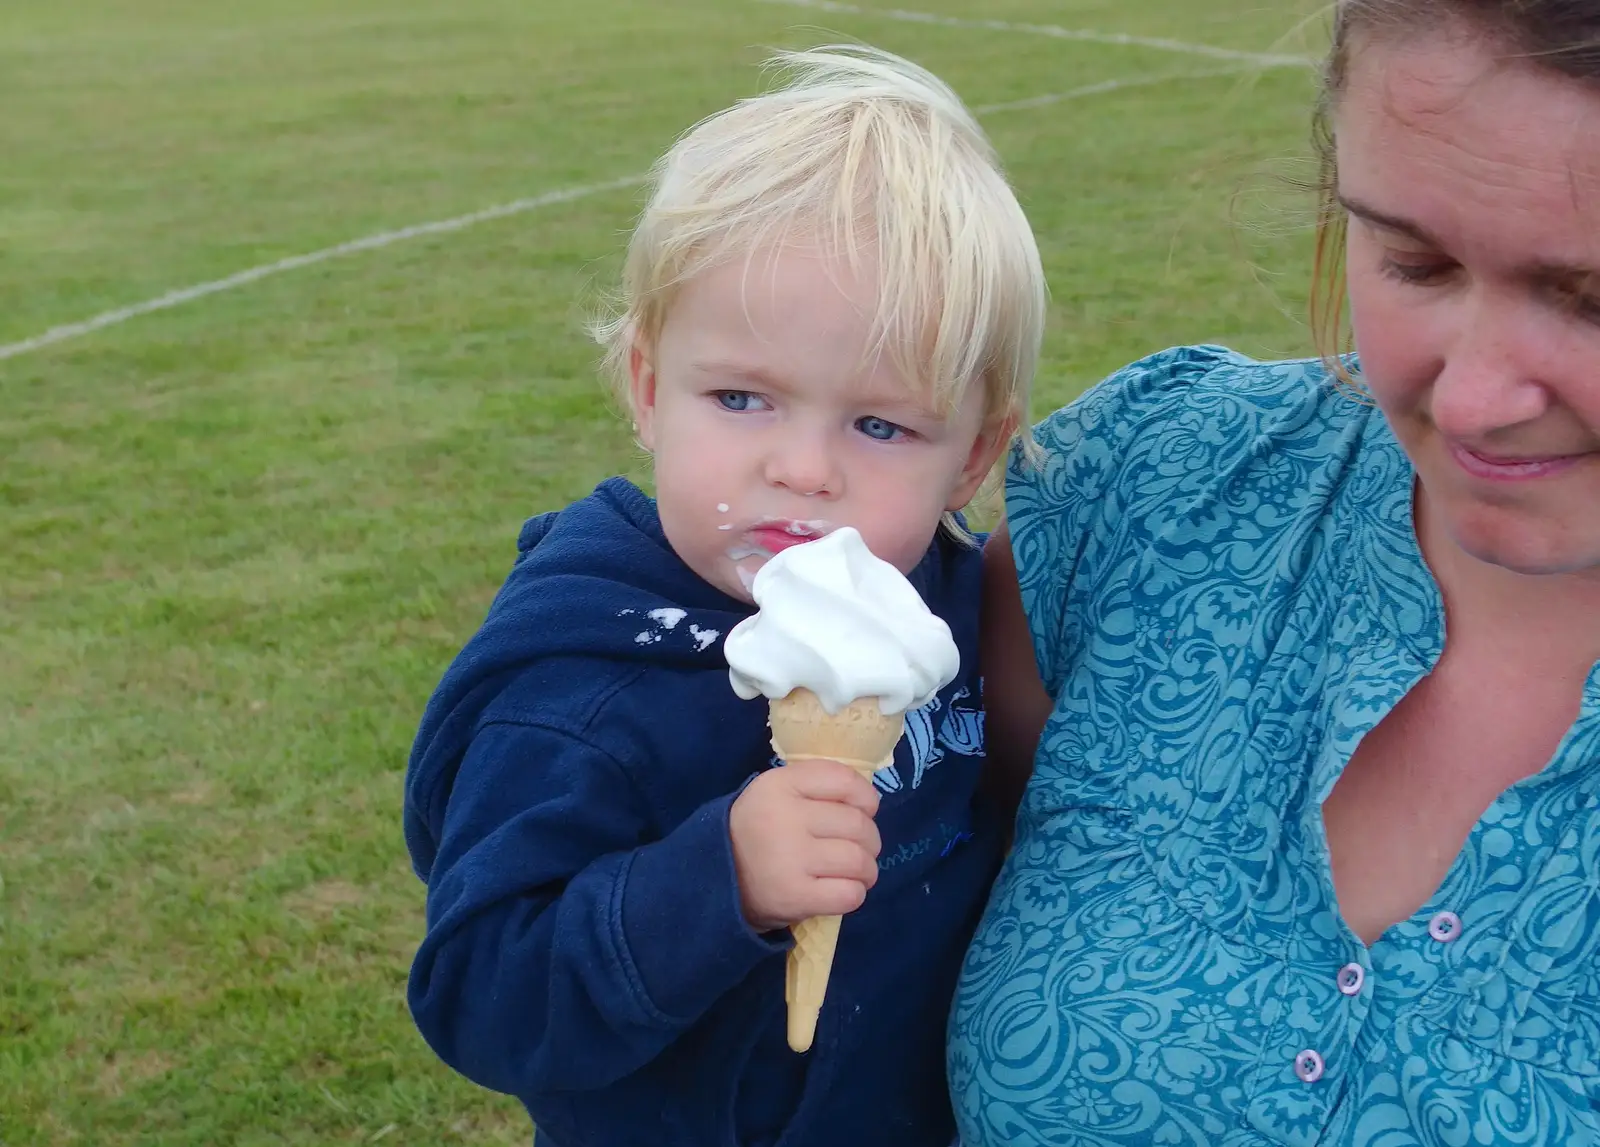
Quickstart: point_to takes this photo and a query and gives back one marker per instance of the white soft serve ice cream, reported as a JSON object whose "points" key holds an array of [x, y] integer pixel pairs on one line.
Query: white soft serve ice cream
{"points": [[844, 624]]}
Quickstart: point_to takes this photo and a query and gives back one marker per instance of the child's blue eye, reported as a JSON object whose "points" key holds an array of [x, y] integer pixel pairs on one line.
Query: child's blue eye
{"points": [[879, 428], [738, 401]]}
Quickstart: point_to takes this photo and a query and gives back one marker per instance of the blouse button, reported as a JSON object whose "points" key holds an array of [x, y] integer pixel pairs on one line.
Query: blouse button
{"points": [[1350, 978], [1445, 927], [1308, 1066]]}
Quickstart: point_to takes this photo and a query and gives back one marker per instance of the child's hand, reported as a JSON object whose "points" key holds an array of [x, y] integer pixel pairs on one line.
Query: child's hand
{"points": [[804, 843]]}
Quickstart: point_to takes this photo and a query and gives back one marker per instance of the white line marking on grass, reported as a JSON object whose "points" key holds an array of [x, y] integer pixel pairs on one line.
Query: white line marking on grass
{"points": [[566, 195], [1102, 87], [294, 262], [1055, 31]]}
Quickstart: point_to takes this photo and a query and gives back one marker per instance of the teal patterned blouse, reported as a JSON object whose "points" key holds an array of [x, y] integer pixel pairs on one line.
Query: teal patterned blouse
{"points": [[1225, 593]]}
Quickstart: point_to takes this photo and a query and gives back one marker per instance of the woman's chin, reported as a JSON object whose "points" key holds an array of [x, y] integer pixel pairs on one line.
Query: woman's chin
{"points": [[1528, 548]]}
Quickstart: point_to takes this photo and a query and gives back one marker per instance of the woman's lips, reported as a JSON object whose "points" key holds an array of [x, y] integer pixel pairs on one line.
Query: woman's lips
{"points": [[1508, 469]]}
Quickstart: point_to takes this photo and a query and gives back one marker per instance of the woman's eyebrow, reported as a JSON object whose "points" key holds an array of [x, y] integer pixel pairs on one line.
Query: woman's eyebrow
{"points": [[1550, 272], [1395, 223], [1565, 276]]}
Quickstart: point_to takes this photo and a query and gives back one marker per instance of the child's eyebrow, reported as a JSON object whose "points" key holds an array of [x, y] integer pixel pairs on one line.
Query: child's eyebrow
{"points": [[900, 402], [742, 372]]}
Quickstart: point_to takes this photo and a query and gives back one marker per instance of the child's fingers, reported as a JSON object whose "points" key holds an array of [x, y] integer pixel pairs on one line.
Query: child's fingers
{"points": [[825, 780], [842, 860], [835, 897], [831, 820]]}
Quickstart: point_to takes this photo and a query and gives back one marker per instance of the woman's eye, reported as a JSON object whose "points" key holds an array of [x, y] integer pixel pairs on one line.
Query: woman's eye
{"points": [[1581, 301], [1408, 272], [880, 428], [738, 401]]}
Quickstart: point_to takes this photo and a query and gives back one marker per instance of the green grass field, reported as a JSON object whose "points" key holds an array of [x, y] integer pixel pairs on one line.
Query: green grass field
{"points": [[241, 537]]}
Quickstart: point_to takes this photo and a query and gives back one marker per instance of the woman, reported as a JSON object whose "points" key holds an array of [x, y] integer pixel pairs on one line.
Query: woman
{"points": [[1311, 849]]}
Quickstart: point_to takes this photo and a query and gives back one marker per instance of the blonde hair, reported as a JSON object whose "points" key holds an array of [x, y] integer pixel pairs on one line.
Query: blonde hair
{"points": [[866, 155]]}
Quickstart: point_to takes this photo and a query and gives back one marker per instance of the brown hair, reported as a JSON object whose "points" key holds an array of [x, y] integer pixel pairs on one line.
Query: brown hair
{"points": [[1560, 35]]}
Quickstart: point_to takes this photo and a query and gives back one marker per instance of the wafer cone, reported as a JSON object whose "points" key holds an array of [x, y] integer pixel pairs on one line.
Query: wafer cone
{"points": [[862, 736]]}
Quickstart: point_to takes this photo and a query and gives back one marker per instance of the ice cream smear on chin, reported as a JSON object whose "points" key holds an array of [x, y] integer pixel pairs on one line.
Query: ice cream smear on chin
{"points": [[843, 624]]}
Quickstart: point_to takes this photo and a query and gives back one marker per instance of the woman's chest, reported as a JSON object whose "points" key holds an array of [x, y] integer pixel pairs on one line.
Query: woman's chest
{"points": [[1099, 1007], [1419, 781], [1167, 930]]}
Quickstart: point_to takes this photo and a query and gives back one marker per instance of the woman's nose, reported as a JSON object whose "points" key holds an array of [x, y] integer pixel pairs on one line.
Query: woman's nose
{"points": [[1490, 378]]}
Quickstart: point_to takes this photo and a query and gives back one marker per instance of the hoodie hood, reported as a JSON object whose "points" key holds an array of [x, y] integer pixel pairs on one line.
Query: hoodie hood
{"points": [[596, 579]]}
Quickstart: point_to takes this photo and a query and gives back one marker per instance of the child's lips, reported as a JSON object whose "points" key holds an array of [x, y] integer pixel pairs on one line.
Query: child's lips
{"points": [[777, 536], [775, 539]]}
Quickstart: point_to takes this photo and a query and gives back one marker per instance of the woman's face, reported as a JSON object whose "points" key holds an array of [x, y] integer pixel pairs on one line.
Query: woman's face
{"points": [[1474, 275]]}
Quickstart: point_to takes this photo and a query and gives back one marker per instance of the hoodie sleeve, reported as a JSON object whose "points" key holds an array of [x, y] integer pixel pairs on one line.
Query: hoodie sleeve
{"points": [[565, 949]]}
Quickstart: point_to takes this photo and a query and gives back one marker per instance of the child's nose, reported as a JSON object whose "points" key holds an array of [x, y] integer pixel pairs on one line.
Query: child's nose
{"points": [[804, 465]]}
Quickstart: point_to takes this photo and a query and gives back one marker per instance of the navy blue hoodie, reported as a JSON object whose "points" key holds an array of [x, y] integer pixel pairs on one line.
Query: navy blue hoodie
{"points": [[567, 804]]}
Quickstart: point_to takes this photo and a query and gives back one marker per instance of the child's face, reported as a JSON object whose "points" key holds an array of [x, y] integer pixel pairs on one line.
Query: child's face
{"points": [[771, 424]]}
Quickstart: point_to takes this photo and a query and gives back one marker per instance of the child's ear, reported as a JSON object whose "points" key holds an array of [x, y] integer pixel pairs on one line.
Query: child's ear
{"points": [[642, 396], [986, 450]]}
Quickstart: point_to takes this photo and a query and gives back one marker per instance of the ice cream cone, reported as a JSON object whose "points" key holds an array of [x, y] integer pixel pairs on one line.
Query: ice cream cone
{"points": [[862, 736]]}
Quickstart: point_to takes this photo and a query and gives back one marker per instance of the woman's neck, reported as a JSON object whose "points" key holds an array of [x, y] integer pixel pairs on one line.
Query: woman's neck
{"points": [[1545, 620]]}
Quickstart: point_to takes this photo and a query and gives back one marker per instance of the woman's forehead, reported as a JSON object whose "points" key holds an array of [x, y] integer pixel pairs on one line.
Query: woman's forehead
{"points": [[1449, 128], [1448, 84]]}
